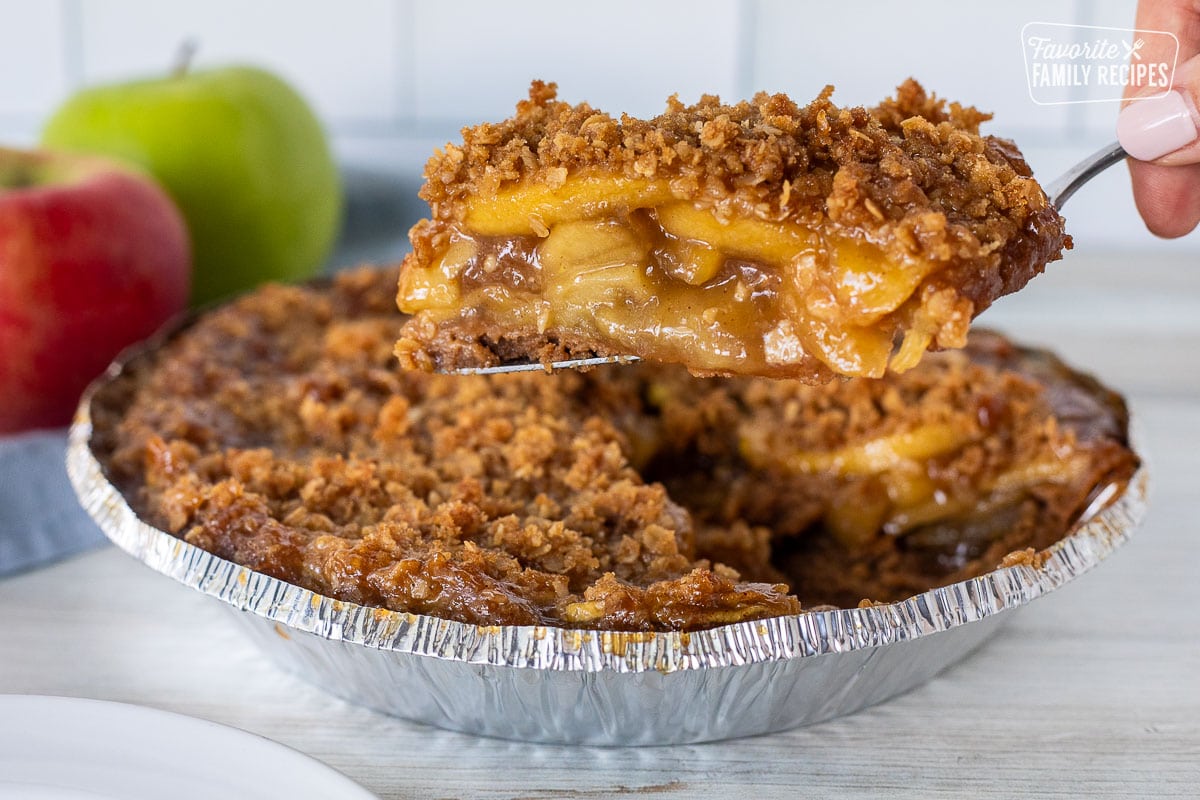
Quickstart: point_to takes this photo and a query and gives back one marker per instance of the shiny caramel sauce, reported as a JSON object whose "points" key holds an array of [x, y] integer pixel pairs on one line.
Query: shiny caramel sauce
{"points": [[623, 261]]}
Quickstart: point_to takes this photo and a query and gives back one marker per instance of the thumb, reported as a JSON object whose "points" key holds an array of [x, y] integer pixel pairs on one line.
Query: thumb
{"points": [[1166, 129]]}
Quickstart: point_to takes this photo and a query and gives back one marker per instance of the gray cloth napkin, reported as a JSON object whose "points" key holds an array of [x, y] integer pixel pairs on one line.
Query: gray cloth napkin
{"points": [[40, 519]]}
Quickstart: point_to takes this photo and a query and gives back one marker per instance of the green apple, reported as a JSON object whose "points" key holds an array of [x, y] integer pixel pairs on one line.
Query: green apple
{"points": [[241, 153]]}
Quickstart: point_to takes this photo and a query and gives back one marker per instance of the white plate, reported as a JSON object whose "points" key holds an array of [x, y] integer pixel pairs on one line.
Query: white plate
{"points": [[65, 748]]}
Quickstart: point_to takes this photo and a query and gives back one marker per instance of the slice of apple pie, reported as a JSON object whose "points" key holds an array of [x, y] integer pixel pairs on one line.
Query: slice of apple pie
{"points": [[762, 238]]}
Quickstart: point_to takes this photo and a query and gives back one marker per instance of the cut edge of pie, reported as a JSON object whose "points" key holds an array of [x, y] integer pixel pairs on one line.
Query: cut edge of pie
{"points": [[761, 238]]}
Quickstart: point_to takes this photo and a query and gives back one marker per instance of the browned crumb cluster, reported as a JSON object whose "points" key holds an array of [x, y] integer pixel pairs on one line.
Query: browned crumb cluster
{"points": [[277, 432], [914, 173]]}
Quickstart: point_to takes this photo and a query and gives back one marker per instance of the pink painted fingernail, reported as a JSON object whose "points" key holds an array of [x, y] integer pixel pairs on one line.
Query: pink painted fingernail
{"points": [[1149, 129]]}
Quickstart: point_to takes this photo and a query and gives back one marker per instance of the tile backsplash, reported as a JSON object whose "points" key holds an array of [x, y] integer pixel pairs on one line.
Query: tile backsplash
{"points": [[395, 78]]}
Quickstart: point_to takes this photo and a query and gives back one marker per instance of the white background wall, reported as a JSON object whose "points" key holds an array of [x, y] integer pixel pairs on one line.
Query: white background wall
{"points": [[395, 78]]}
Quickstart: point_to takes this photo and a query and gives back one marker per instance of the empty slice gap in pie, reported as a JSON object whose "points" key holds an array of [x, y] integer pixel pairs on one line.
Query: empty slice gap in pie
{"points": [[762, 238]]}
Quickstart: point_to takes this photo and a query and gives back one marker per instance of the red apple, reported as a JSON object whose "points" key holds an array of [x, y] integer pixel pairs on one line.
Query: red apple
{"points": [[93, 257]]}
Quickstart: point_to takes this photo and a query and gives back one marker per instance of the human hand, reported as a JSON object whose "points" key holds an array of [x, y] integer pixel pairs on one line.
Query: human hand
{"points": [[1163, 135]]}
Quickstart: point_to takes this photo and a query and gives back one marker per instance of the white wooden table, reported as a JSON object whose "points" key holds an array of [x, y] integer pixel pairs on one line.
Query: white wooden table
{"points": [[1093, 691]]}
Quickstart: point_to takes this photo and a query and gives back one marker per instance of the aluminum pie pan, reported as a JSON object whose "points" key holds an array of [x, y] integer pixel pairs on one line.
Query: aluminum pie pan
{"points": [[548, 684]]}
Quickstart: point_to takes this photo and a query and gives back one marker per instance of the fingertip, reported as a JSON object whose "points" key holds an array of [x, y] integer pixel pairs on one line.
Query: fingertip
{"points": [[1168, 198], [1170, 227], [1152, 128]]}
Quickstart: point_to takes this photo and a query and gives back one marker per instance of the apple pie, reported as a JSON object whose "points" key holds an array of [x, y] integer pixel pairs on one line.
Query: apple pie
{"points": [[277, 432], [762, 238]]}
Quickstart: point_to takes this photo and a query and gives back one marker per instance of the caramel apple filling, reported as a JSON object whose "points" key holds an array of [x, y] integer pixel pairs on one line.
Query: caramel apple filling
{"points": [[901, 469], [627, 265], [759, 239]]}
